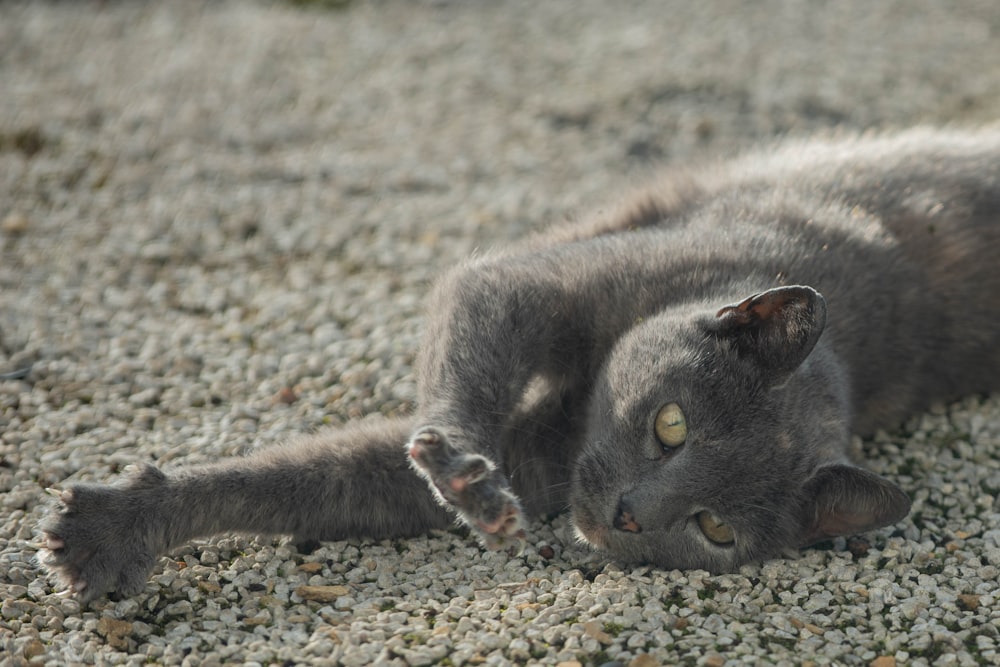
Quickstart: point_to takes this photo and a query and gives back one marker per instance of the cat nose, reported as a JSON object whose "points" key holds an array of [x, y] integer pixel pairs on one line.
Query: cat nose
{"points": [[624, 519]]}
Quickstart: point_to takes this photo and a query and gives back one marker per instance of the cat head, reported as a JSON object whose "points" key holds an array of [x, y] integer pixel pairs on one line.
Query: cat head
{"points": [[717, 439]]}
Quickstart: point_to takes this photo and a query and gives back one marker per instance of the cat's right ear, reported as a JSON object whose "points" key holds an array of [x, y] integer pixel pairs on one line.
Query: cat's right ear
{"points": [[842, 500], [777, 328]]}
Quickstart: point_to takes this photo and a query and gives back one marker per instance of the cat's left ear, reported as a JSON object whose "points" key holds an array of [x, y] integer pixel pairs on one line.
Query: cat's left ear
{"points": [[845, 500], [777, 328]]}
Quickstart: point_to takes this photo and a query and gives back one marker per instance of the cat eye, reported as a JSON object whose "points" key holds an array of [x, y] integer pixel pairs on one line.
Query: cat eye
{"points": [[671, 428], [714, 529]]}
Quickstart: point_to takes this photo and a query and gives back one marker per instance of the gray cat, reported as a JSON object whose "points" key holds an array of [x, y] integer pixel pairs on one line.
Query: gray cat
{"points": [[683, 375]]}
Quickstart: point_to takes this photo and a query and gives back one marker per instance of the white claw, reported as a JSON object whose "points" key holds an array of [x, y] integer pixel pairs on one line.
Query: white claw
{"points": [[62, 496], [513, 545], [68, 593]]}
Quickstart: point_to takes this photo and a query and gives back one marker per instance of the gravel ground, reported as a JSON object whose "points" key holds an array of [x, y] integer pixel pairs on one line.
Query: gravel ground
{"points": [[217, 224]]}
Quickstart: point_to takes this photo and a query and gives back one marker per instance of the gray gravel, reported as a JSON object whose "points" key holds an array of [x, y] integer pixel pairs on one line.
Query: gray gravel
{"points": [[217, 224]]}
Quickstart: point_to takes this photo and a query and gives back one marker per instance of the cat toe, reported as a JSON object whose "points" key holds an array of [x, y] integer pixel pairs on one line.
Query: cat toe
{"points": [[51, 542], [94, 542], [513, 544], [429, 449], [507, 522], [451, 471], [63, 496]]}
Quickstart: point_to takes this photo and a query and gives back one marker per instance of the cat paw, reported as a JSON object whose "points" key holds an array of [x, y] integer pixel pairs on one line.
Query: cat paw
{"points": [[471, 485], [98, 539]]}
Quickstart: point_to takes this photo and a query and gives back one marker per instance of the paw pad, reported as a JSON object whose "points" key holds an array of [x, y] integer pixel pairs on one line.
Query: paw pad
{"points": [[470, 484]]}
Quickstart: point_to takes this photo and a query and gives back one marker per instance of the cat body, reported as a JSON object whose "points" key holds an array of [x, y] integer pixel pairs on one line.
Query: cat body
{"points": [[684, 375]]}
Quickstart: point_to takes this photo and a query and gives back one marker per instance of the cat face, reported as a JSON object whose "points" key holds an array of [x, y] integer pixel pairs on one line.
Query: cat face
{"points": [[707, 434]]}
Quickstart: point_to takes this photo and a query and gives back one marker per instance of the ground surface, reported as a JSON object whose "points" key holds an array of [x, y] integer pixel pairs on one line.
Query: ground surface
{"points": [[204, 205]]}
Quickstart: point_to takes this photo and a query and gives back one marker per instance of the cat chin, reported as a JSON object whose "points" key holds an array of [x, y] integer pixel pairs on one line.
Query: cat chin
{"points": [[595, 535]]}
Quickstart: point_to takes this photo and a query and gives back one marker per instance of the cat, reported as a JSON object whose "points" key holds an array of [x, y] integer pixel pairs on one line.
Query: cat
{"points": [[683, 374]]}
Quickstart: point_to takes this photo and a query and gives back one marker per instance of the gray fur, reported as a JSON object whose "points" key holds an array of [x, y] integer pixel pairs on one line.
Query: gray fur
{"points": [[783, 300]]}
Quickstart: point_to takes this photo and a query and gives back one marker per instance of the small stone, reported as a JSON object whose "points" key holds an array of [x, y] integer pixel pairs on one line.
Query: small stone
{"points": [[34, 649], [262, 618], [310, 568], [10, 610], [883, 661], [209, 587], [286, 396], [858, 547], [644, 660], [15, 592], [713, 660], [126, 608], [594, 630], [968, 602], [546, 552], [115, 632], [321, 593], [14, 224], [181, 608]]}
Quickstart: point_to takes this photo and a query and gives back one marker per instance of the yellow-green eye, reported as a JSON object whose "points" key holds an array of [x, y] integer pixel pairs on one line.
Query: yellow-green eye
{"points": [[714, 529], [671, 428]]}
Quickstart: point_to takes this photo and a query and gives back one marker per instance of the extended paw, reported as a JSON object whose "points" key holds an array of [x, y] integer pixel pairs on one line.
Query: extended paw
{"points": [[99, 539], [471, 485]]}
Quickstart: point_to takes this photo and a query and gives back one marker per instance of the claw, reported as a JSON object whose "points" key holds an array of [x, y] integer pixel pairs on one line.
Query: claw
{"points": [[64, 497], [421, 447], [428, 436], [512, 545], [473, 470], [53, 543], [517, 547]]}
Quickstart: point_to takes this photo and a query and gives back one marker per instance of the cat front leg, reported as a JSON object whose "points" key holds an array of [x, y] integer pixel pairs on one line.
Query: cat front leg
{"points": [[354, 482], [496, 324], [472, 485]]}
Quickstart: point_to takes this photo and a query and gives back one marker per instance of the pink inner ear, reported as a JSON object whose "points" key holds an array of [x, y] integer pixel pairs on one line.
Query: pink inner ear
{"points": [[835, 523], [764, 305], [759, 306]]}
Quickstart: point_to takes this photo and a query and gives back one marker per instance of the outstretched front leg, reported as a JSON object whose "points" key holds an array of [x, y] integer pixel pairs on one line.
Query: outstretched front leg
{"points": [[355, 482]]}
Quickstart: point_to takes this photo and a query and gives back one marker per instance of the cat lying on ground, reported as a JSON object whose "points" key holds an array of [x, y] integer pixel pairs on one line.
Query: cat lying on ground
{"points": [[683, 376]]}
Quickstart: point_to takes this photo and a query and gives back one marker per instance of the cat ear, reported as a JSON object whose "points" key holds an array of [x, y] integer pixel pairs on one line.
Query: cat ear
{"points": [[778, 328], [846, 500]]}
